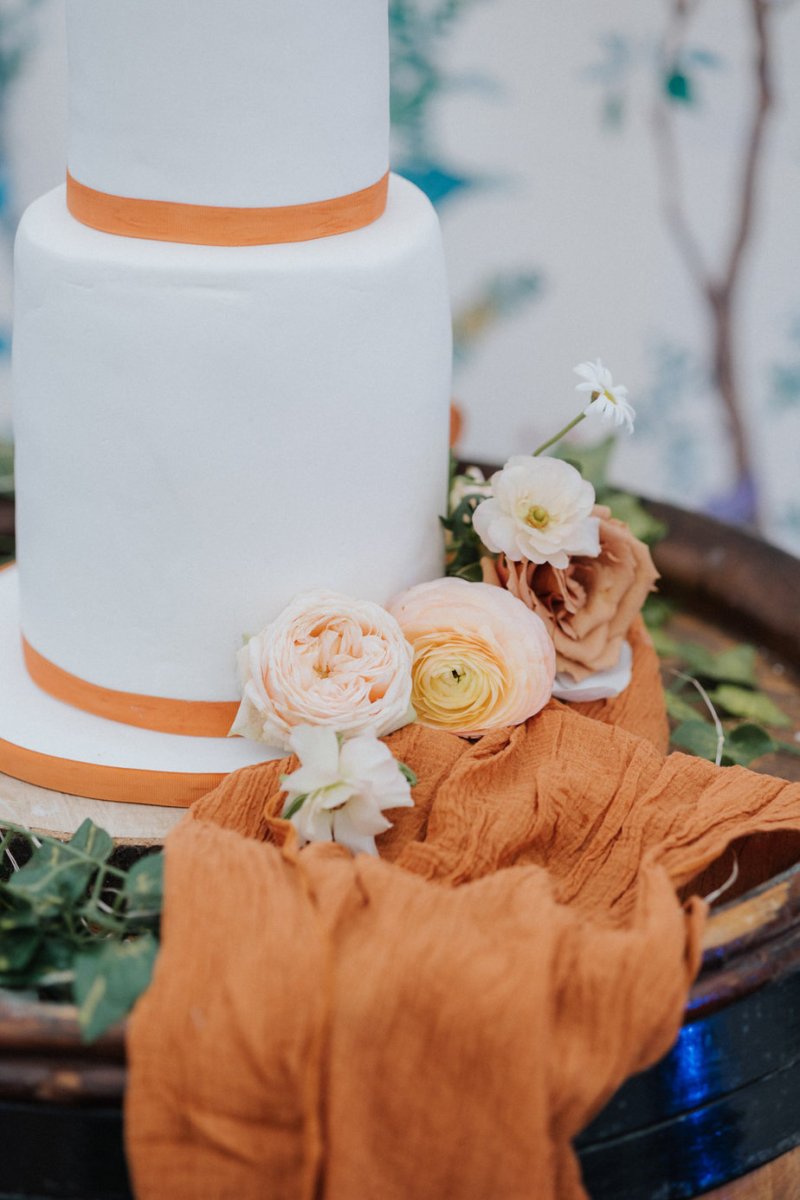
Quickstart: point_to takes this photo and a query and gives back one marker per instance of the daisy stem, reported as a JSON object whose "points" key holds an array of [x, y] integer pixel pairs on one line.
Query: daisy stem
{"points": [[567, 429]]}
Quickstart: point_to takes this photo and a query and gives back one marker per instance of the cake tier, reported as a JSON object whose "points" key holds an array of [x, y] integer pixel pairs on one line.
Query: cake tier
{"points": [[204, 432], [244, 103]]}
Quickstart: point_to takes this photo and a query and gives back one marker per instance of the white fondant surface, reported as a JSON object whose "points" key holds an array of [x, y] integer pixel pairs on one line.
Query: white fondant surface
{"points": [[33, 720], [204, 432], [229, 102]]}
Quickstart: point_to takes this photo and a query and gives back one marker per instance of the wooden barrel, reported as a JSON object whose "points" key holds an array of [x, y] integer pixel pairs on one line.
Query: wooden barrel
{"points": [[718, 1116]]}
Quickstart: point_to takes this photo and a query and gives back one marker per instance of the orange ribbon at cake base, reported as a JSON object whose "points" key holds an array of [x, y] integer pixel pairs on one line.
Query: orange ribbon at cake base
{"points": [[210, 225], [190, 718]]}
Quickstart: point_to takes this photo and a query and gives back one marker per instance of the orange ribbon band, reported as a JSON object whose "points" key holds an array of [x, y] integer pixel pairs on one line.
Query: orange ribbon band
{"points": [[93, 781], [190, 718], [207, 225]]}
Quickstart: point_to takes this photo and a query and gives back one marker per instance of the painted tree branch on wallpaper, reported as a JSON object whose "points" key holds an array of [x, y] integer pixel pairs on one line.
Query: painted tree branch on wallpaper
{"points": [[719, 288]]}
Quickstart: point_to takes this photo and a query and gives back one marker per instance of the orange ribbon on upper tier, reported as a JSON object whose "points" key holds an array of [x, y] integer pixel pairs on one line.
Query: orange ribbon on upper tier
{"points": [[191, 718], [209, 225]]}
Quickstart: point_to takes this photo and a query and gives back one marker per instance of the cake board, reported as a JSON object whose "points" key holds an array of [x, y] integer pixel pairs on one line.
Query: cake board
{"points": [[60, 765]]}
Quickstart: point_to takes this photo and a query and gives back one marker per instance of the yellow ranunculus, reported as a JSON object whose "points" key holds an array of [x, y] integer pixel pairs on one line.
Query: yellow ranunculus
{"points": [[480, 662]]}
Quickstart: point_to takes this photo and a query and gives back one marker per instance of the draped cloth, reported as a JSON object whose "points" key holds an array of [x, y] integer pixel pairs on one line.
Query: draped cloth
{"points": [[440, 1022]]}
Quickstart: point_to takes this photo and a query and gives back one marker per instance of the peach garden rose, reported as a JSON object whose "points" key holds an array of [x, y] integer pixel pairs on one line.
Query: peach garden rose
{"points": [[327, 660], [482, 659]]}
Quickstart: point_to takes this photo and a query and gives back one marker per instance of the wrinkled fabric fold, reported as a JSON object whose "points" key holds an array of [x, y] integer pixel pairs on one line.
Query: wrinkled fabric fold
{"points": [[442, 1021]]}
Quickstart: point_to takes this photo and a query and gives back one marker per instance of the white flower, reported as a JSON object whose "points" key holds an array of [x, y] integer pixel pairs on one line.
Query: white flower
{"points": [[326, 660], [602, 685], [608, 399], [341, 788], [471, 484], [540, 511]]}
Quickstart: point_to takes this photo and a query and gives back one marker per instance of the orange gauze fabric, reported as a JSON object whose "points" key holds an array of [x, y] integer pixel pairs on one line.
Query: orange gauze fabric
{"points": [[441, 1021]]}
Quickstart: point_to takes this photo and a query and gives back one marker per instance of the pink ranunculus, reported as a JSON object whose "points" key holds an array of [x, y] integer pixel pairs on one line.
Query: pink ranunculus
{"points": [[327, 660], [482, 659]]}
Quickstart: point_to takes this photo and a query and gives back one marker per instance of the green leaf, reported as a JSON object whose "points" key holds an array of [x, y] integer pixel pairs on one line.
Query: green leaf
{"points": [[408, 774], [6, 469], [144, 886], [754, 706], [679, 708], [94, 842], [17, 949], [697, 737], [630, 509], [736, 665], [657, 611], [666, 646], [294, 807], [747, 743], [109, 979], [52, 878], [592, 461]]}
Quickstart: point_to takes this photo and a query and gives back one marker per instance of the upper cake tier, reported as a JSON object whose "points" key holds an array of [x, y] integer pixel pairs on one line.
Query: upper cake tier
{"points": [[236, 103]]}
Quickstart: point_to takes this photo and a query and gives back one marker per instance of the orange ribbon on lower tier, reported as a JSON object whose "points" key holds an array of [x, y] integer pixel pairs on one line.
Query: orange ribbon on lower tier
{"points": [[190, 718], [95, 781], [210, 225]]}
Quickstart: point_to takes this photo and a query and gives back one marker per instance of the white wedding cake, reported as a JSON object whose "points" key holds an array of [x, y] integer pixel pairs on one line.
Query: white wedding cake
{"points": [[232, 376]]}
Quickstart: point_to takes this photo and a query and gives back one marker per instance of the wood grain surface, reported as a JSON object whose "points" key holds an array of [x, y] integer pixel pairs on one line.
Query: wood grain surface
{"points": [[779, 1180]]}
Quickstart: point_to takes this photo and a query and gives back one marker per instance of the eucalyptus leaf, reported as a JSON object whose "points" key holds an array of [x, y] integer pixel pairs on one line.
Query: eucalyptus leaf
{"points": [[755, 706], [109, 979]]}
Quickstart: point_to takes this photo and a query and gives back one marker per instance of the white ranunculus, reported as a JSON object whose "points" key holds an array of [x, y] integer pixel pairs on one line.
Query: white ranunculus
{"points": [[326, 660], [540, 511], [609, 399], [342, 788]]}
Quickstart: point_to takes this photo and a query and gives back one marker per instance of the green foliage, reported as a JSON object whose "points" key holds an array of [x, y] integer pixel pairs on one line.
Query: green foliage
{"points": [[641, 523], [741, 747], [657, 611], [594, 463], [729, 684], [110, 977], [593, 460], [6, 469], [75, 927], [463, 544], [751, 705], [737, 665]]}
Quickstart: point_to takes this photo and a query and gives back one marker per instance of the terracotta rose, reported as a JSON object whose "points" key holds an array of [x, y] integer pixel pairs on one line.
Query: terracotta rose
{"points": [[590, 605]]}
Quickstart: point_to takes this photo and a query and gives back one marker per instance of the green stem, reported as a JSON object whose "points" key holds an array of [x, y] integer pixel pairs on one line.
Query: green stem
{"points": [[567, 429]]}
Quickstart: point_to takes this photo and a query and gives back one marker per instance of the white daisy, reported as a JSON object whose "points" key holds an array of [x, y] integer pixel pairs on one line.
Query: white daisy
{"points": [[608, 399]]}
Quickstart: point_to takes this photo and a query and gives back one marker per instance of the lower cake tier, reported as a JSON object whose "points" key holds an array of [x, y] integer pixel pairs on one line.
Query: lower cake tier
{"points": [[204, 432], [58, 747]]}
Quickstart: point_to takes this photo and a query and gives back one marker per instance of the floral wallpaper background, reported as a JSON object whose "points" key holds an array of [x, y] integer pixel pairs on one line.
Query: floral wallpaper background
{"points": [[620, 178]]}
